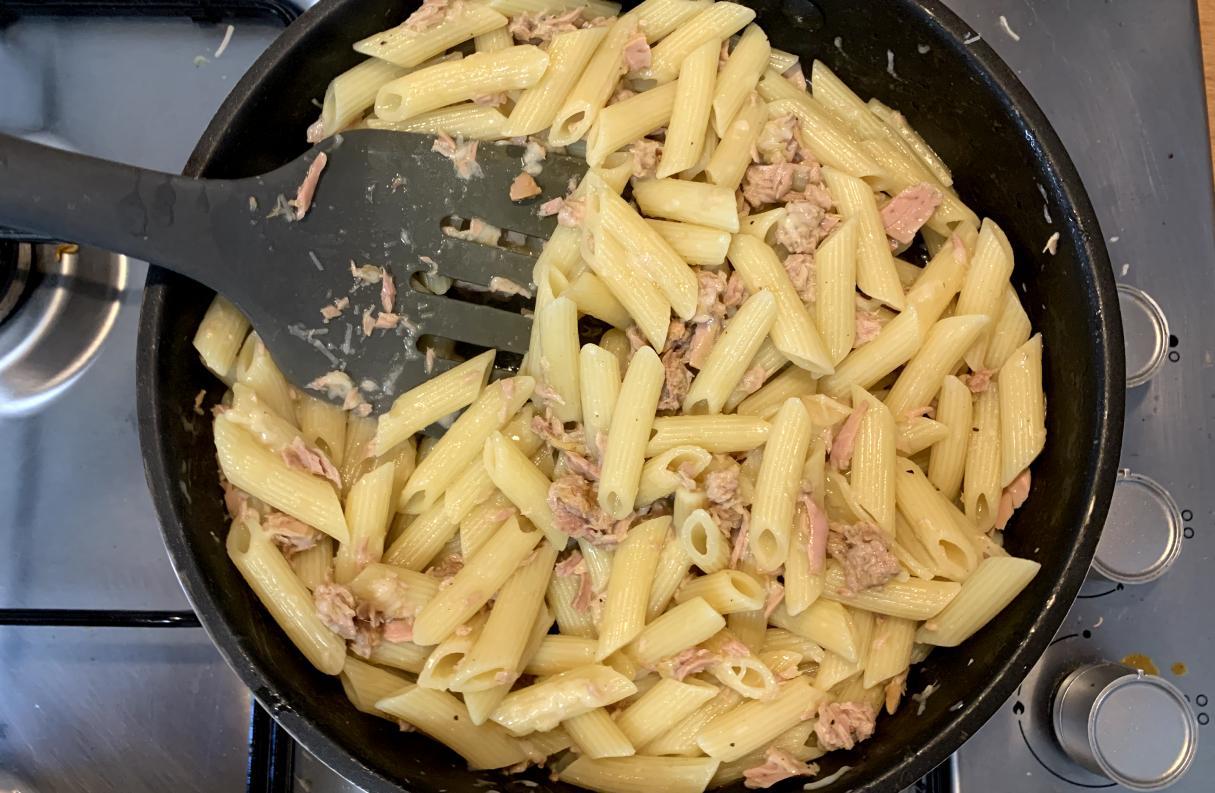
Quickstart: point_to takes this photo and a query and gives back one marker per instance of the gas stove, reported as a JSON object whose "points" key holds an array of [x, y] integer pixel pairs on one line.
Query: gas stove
{"points": [[106, 681]]}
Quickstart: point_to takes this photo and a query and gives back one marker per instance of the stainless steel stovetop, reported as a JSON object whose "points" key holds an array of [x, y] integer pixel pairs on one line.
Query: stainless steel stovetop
{"points": [[137, 709]]}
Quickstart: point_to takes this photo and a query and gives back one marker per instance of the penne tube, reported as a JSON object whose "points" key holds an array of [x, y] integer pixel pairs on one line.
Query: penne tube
{"points": [[568, 55], [460, 80], [716, 23], [661, 263], [592, 296], [644, 302], [323, 426], [889, 649], [368, 506], [628, 589], [943, 348], [680, 740], [220, 336], [498, 652], [993, 585], [662, 707], [406, 656], [875, 272], [558, 653], [685, 138], [873, 461], [738, 77], [835, 264], [366, 684], [731, 353], [696, 244], [439, 670], [641, 774], [756, 724], [913, 599], [405, 46], [984, 288], [691, 202], [719, 434], [777, 485], [826, 137], [630, 430], [825, 623], [917, 434], [596, 735], [981, 479], [732, 156], [463, 442], [257, 371], [932, 517], [482, 703], [1010, 332], [623, 123], [947, 461], [352, 93], [262, 474], [704, 542], [793, 383], [662, 474], [865, 366], [726, 592], [1022, 410], [289, 602], [673, 565], [584, 102], [314, 565], [475, 584], [445, 719], [572, 621], [543, 705], [794, 332], [467, 120], [599, 374], [557, 324], [686, 625], [833, 669]]}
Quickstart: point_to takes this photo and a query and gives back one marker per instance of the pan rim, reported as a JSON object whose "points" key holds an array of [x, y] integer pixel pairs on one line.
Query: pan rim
{"points": [[1063, 186]]}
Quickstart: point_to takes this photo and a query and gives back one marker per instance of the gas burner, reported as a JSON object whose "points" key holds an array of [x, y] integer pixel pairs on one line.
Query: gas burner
{"points": [[58, 304]]}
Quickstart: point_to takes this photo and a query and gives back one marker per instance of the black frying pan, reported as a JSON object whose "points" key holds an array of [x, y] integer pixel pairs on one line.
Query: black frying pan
{"points": [[1003, 152]]}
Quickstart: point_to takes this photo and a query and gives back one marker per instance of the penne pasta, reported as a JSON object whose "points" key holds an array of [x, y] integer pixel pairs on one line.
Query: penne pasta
{"points": [[685, 138]]}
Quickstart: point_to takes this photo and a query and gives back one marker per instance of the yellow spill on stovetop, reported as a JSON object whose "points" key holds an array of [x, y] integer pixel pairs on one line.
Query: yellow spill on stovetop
{"points": [[1140, 661]]}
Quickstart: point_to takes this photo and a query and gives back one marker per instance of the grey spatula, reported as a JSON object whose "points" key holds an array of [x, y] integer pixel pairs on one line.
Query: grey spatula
{"points": [[383, 199]]}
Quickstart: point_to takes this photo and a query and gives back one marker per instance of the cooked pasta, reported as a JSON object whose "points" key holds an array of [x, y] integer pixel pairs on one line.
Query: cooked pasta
{"points": [[755, 459]]}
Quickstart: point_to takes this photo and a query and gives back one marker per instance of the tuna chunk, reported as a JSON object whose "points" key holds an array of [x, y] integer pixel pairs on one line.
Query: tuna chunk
{"points": [[778, 766], [1013, 497], [677, 381], [766, 184], [867, 328], [539, 28], [862, 551], [524, 186], [302, 458], [777, 142], [692, 661], [576, 512], [636, 53], [307, 188], [800, 267], [463, 155], [979, 381], [904, 214], [645, 157], [428, 16], [335, 606], [290, 535], [841, 447], [842, 725], [802, 228]]}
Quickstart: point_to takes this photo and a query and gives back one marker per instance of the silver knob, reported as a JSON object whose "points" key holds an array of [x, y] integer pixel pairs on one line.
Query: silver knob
{"points": [[1134, 728], [1142, 534], [1146, 334]]}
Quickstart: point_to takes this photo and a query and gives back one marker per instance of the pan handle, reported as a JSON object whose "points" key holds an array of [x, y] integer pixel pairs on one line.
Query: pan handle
{"points": [[158, 217]]}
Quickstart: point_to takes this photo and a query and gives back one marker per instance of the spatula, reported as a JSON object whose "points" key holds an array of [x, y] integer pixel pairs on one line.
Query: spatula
{"points": [[385, 204]]}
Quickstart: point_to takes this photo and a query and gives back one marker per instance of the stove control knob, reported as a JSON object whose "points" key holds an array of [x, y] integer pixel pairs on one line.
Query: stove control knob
{"points": [[1146, 334], [1142, 533], [1134, 728]]}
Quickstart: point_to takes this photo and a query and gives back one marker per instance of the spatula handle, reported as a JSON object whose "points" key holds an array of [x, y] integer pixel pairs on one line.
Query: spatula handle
{"points": [[157, 217]]}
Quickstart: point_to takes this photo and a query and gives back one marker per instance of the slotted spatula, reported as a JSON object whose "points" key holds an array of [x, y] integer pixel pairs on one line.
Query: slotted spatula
{"points": [[383, 199]]}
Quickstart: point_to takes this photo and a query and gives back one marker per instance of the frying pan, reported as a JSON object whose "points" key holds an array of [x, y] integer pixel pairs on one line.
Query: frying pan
{"points": [[1008, 163]]}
